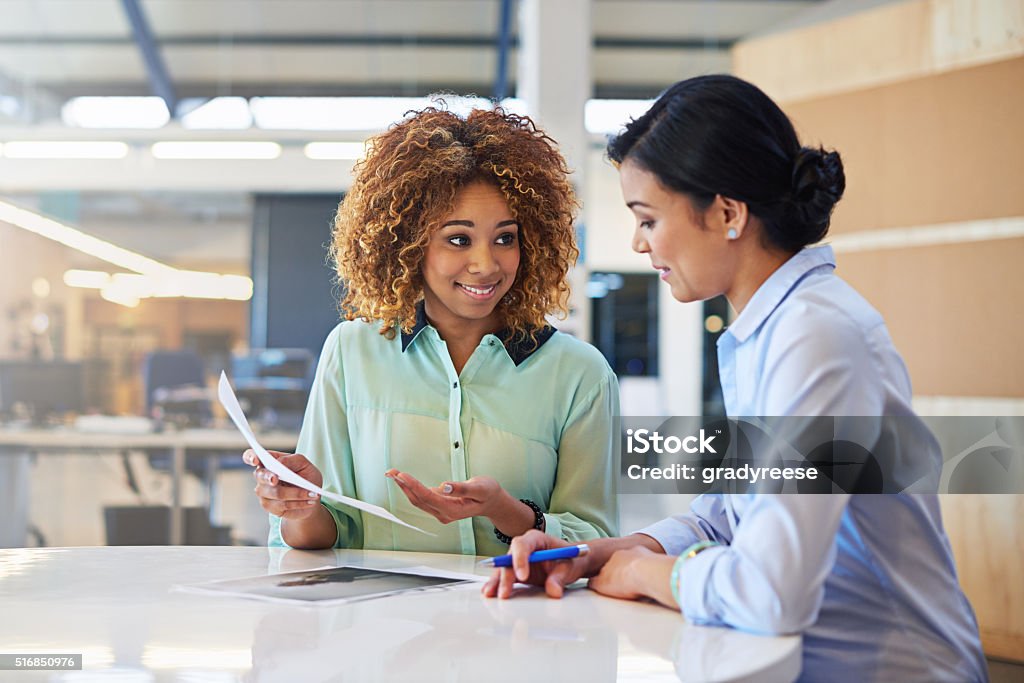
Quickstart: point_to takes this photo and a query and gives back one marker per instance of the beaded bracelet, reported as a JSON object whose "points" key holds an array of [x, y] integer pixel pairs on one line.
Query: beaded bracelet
{"points": [[687, 554], [538, 521]]}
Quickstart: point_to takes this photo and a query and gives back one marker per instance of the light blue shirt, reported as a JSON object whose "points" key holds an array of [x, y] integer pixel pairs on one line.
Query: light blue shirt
{"points": [[868, 579], [539, 420]]}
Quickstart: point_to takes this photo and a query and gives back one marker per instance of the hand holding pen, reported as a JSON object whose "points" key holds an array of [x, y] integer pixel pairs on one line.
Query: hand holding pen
{"points": [[566, 553], [552, 573]]}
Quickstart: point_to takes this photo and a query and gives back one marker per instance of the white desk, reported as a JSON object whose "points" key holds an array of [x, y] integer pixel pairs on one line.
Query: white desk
{"points": [[178, 442], [114, 605]]}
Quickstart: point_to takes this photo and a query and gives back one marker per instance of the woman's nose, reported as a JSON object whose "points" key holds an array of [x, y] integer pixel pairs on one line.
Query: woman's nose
{"points": [[639, 244], [483, 261]]}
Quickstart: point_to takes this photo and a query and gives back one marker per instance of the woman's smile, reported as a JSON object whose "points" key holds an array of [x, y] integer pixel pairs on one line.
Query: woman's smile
{"points": [[478, 292]]}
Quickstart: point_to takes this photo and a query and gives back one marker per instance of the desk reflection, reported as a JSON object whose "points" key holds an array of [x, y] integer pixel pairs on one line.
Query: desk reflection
{"points": [[465, 638]]}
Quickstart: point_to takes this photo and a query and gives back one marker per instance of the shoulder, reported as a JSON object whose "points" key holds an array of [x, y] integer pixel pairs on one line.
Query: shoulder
{"points": [[573, 353], [578, 370], [353, 338], [827, 315]]}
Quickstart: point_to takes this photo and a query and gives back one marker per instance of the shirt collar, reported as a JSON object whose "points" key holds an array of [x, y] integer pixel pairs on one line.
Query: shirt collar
{"points": [[777, 287], [519, 347]]}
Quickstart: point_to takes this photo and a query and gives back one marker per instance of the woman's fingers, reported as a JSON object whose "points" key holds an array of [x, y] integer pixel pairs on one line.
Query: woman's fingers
{"points": [[262, 474], [490, 587], [418, 495], [506, 582]]}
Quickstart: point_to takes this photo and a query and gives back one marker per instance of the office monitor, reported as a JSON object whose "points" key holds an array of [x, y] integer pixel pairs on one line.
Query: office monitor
{"points": [[39, 390]]}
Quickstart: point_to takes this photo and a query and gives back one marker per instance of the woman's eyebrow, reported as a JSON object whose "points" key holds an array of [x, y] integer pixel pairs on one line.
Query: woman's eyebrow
{"points": [[638, 203], [471, 224]]}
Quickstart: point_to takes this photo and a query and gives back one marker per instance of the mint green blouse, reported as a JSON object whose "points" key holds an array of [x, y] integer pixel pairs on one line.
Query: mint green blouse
{"points": [[541, 423]]}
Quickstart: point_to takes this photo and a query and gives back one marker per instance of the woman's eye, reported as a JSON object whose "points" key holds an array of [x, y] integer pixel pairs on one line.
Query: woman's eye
{"points": [[458, 241], [646, 225], [507, 238]]}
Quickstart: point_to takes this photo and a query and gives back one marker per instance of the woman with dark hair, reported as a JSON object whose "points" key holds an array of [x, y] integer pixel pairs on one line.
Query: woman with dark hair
{"points": [[727, 201], [453, 244]]}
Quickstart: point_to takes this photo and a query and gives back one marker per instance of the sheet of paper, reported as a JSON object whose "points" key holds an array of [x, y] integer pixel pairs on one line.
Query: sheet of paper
{"points": [[230, 402]]}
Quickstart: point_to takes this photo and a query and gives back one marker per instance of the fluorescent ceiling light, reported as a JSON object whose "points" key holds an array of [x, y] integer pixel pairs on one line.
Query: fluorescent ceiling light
{"points": [[116, 296], [611, 116], [65, 149], [358, 113], [115, 112], [126, 287], [514, 105], [332, 113], [347, 113], [220, 113], [76, 239], [335, 150], [216, 150], [151, 278], [10, 106], [92, 279]]}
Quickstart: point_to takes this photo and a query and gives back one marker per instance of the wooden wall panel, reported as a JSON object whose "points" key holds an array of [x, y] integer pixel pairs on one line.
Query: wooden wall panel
{"points": [[989, 550], [939, 149], [954, 312]]}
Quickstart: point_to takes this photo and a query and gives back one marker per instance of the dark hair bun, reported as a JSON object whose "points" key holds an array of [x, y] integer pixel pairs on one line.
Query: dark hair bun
{"points": [[818, 183]]}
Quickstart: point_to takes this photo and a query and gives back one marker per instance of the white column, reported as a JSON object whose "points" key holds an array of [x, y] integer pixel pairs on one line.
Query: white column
{"points": [[554, 77], [554, 80]]}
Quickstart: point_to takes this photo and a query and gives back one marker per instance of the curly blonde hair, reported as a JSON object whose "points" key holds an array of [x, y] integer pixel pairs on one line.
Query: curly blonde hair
{"points": [[407, 185]]}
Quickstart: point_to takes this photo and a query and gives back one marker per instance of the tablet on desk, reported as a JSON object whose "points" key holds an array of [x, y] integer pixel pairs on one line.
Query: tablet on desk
{"points": [[331, 585]]}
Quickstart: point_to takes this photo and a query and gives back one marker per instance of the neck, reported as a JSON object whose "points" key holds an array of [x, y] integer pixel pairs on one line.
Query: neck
{"points": [[460, 332], [755, 266]]}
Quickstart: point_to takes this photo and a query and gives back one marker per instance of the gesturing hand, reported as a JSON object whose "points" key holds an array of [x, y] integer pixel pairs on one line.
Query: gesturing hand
{"points": [[451, 500]]}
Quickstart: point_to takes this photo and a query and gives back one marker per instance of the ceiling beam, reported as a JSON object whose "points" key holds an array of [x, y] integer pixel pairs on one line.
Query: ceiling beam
{"points": [[359, 40], [159, 78], [504, 48]]}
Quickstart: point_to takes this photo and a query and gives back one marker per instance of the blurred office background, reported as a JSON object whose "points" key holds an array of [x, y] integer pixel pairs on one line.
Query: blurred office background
{"points": [[169, 170]]}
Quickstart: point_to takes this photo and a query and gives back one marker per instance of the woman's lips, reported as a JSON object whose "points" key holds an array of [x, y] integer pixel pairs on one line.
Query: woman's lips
{"points": [[478, 292]]}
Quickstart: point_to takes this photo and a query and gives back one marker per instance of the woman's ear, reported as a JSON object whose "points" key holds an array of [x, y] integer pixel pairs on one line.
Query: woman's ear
{"points": [[732, 215]]}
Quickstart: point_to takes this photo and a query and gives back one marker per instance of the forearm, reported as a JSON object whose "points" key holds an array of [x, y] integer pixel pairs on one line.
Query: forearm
{"points": [[601, 549], [652, 578], [316, 532], [510, 516]]}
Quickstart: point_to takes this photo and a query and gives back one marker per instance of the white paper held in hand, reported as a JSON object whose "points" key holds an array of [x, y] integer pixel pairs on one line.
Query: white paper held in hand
{"points": [[230, 402]]}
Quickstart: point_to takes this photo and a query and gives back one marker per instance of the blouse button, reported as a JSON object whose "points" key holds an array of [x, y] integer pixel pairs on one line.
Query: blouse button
{"points": [[456, 444]]}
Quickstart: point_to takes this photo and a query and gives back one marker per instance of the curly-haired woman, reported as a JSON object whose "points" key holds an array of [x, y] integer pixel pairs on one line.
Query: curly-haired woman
{"points": [[453, 244]]}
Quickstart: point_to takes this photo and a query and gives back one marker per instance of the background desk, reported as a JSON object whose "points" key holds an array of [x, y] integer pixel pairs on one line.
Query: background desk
{"points": [[114, 605], [178, 442]]}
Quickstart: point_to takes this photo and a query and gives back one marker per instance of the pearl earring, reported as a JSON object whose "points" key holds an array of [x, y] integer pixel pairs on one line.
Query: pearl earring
{"points": [[732, 234]]}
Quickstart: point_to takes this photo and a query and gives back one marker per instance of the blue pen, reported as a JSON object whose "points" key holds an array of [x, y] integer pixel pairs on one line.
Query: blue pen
{"points": [[565, 553]]}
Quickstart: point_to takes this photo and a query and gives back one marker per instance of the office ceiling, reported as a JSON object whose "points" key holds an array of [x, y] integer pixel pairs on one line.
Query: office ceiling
{"points": [[52, 50], [55, 49]]}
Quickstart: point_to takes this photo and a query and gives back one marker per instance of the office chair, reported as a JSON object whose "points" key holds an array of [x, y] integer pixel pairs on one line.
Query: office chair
{"points": [[175, 390]]}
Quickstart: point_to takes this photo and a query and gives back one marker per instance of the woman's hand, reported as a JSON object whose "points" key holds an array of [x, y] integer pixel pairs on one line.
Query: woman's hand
{"points": [[281, 498], [554, 575], [452, 500], [557, 574], [634, 573], [476, 497]]}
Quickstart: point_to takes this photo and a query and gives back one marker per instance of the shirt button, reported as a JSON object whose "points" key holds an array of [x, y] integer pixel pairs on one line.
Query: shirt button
{"points": [[490, 343], [455, 385], [456, 444]]}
